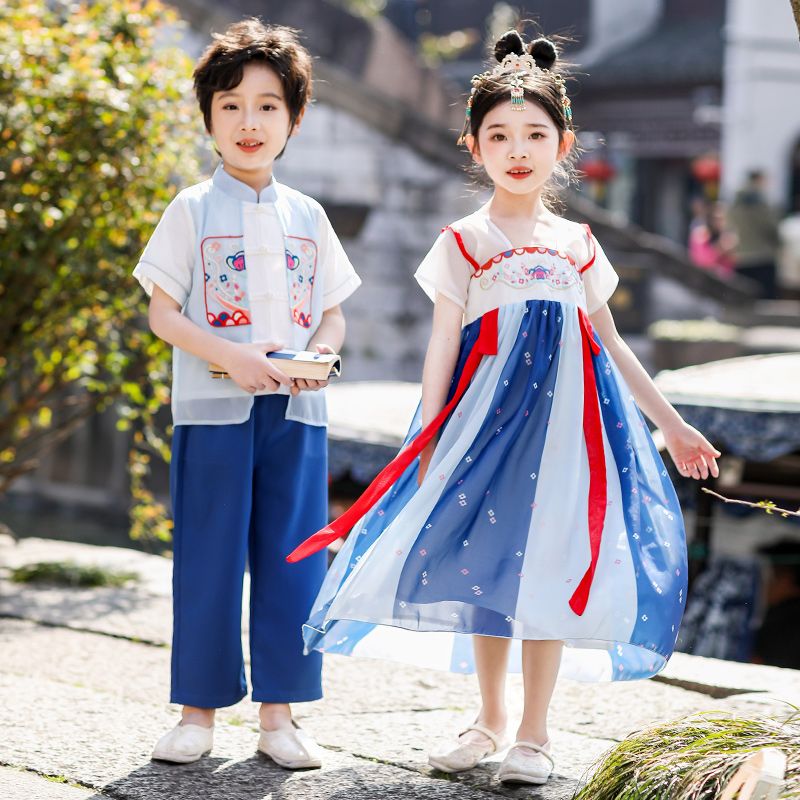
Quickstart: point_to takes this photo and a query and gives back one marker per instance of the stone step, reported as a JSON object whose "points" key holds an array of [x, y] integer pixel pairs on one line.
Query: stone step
{"points": [[18, 784]]}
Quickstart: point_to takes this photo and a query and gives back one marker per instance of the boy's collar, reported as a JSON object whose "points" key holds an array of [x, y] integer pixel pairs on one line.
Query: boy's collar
{"points": [[241, 191]]}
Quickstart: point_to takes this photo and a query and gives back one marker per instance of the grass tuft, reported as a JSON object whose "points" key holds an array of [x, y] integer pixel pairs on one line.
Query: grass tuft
{"points": [[67, 573], [692, 758]]}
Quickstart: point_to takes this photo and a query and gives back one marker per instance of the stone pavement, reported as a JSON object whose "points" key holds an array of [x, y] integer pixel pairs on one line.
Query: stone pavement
{"points": [[84, 684]]}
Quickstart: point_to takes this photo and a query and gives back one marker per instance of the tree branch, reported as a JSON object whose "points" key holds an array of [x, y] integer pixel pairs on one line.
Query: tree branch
{"points": [[765, 505], [31, 462]]}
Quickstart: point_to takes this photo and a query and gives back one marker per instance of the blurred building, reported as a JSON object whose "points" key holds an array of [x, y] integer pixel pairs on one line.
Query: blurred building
{"points": [[651, 109], [761, 127], [378, 150]]}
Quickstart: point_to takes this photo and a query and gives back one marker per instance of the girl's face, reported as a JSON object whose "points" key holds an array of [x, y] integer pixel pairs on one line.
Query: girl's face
{"points": [[250, 124], [519, 149]]}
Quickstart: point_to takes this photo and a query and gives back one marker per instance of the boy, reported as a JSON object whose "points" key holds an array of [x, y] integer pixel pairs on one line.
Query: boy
{"points": [[238, 266]]}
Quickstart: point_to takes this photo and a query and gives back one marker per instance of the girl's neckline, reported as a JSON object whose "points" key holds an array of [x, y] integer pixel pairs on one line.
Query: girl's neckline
{"points": [[509, 245], [509, 249]]}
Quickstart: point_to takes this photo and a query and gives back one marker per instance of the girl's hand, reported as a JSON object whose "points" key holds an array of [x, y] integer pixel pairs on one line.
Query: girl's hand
{"points": [[692, 453], [424, 462], [303, 385], [249, 369]]}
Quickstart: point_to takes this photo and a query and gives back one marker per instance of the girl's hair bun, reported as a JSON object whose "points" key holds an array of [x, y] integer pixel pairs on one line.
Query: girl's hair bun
{"points": [[544, 52], [509, 42]]}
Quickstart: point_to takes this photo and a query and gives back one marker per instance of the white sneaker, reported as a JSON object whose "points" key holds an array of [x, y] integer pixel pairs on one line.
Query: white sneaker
{"points": [[467, 755], [526, 762], [290, 747], [184, 744]]}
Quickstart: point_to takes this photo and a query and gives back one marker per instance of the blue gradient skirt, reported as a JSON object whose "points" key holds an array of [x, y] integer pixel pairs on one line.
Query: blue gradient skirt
{"points": [[508, 527]]}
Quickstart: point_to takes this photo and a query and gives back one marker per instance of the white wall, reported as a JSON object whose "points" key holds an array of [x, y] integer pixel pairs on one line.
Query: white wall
{"points": [[615, 22], [761, 94]]}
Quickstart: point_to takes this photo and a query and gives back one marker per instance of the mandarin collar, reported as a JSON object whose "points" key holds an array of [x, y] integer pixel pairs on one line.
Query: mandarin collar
{"points": [[241, 191]]}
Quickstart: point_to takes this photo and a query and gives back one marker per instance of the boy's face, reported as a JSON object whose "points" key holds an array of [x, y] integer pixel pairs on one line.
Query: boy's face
{"points": [[250, 124]]}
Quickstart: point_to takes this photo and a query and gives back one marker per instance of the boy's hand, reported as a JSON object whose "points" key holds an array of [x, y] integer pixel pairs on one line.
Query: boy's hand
{"points": [[303, 385], [693, 454], [248, 367]]}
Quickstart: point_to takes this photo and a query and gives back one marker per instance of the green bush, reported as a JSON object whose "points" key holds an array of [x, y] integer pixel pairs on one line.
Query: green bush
{"points": [[97, 133]]}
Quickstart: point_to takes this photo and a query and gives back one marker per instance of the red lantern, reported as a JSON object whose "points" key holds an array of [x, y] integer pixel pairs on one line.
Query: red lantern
{"points": [[706, 169], [598, 169]]}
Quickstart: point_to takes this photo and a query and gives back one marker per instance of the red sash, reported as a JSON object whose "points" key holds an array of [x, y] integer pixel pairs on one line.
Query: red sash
{"points": [[486, 344], [593, 434]]}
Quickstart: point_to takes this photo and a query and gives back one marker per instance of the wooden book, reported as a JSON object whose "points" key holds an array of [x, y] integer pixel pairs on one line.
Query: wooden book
{"points": [[303, 364]]}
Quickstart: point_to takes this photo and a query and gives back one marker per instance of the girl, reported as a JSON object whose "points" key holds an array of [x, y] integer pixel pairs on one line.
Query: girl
{"points": [[543, 514]]}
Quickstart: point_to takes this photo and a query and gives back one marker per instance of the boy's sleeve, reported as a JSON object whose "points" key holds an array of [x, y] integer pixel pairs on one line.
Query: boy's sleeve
{"points": [[340, 279], [599, 278], [168, 258], [445, 270]]}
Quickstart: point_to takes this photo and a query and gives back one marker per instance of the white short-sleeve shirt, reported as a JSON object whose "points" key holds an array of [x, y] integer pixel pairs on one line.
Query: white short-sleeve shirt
{"points": [[251, 268], [473, 264]]}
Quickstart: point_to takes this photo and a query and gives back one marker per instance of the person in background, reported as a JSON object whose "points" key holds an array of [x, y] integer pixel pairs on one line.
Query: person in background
{"points": [[755, 223], [699, 209], [789, 257], [712, 245]]}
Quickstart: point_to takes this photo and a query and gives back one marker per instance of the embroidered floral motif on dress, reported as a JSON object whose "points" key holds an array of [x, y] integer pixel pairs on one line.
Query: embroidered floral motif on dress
{"points": [[225, 281], [524, 266], [302, 266]]}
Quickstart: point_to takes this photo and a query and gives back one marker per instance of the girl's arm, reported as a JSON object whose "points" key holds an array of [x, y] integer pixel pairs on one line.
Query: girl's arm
{"points": [[244, 362], [690, 450], [440, 364], [328, 338]]}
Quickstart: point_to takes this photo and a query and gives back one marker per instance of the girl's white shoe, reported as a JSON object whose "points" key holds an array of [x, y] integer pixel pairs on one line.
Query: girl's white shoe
{"points": [[184, 744], [290, 747], [467, 755], [527, 762]]}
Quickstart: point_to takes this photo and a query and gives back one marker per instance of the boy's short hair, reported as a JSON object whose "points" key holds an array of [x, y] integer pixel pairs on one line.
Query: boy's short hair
{"points": [[221, 66]]}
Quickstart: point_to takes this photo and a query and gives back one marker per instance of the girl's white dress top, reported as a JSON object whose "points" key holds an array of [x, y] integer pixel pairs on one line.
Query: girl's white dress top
{"points": [[502, 274]]}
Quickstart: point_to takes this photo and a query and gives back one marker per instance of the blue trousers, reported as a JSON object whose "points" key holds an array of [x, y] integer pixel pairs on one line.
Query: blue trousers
{"points": [[246, 494]]}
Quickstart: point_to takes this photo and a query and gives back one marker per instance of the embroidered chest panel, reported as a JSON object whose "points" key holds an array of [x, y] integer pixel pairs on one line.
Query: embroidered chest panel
{"points": [[225, 281], [225, 275], [528, 267], [301, 263]]}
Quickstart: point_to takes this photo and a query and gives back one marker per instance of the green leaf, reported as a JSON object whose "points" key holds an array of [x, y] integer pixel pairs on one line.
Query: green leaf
{"points": [[99, 132]]}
